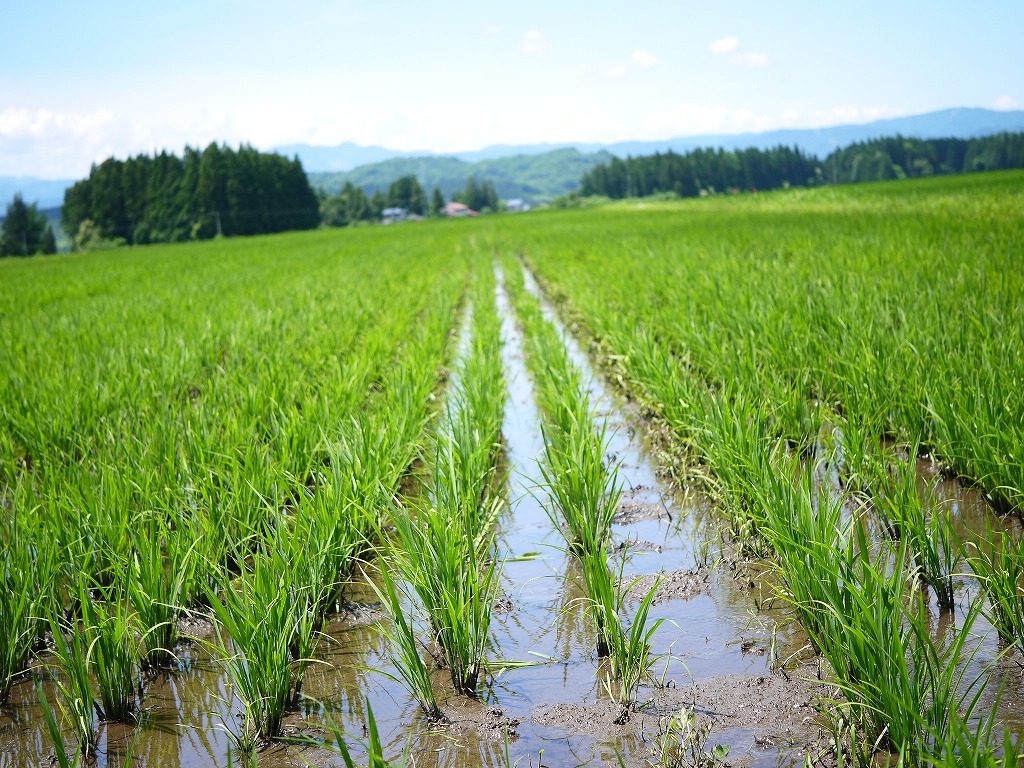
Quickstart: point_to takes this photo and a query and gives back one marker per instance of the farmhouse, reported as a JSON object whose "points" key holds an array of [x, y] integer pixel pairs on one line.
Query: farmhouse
{"points": [[458, 209], [517, 205], [394, 215]]}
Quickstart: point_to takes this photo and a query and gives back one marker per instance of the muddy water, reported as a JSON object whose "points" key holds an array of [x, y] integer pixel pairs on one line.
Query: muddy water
{"points": [[717, 643]]}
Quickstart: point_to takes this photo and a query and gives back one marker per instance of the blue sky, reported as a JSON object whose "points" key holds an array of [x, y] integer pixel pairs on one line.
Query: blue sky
{"points": [[82, 81]]}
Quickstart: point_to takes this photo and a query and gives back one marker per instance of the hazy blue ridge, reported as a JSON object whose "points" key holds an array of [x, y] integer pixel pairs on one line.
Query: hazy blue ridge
{"points": [[534, 177], [962, 123], [45, 193], [540, 172]]}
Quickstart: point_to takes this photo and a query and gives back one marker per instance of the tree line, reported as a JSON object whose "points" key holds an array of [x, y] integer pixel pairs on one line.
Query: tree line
{"points": [[899, 157], [703, 170], [209, 192], [25, 231], [707, 171]]}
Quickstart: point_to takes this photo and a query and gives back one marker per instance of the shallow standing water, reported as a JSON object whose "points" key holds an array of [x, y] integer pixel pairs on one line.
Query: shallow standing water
{"points": [[713, 629]]}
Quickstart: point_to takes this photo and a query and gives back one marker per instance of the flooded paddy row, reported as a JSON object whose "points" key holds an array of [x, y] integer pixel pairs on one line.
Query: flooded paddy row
{"points": [[727, 651]]}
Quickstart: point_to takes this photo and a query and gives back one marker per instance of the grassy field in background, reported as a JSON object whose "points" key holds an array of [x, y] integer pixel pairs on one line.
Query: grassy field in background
{"points": [[224, 428]]}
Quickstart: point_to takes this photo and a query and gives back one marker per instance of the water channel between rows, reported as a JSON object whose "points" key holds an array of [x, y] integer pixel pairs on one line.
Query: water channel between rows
{"points": [[717, 645]]}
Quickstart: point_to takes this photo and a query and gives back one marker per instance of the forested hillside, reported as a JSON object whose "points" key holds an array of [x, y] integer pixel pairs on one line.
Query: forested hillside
{"points": [[900, 157], [207, 192], [536, 178], [706, 171]]}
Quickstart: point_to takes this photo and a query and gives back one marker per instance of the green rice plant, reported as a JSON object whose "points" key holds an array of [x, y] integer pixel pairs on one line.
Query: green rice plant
{"points": [[813, 545], [404, 654], [441, 561], [195, 544], [110, 629], [997, 560], [157, 584], [627, 650], [918, 518], [899, 685], [561, 391], [446, 554], [264, 617], [16, 635], [76, 701], [31, 579], [584, 491], [17, 606], [604, 598], [682, 743], [374, 748], [53, 728], [738, 452], [462, 475], [963, 747], [60, 756], [630, 650], [321, 545], [857, 444]]}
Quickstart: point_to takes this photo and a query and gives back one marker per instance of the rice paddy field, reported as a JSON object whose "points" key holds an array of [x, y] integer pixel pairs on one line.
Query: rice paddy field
{"points": [[726, 481]]}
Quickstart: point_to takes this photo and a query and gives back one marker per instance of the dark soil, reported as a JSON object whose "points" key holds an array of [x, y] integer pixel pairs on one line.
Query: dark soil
{"points": [[751, 714], [678, 585]]}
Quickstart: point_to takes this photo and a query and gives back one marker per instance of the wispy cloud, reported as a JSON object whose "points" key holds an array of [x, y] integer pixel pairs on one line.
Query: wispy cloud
{"points": [[691, 119], [42, 142], [802, 117], [737, 57], [643, 60], [534, 43], [492, 29], [726, 44], [19, 123], [750, 59], [1005, 103], [639, 60]]}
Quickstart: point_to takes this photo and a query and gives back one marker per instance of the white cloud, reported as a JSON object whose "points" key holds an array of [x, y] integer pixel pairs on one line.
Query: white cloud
{"points": [[801, 117], [492, 29], [690, 119], [639, 60], [727, 44], [1005, 103], [534, 43], [18, 123], [750, 60], [742, 59], [643, 60], [42, 142], [850, 113]]}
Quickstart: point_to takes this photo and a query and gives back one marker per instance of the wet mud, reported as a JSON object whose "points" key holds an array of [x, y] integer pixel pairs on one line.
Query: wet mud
{"points": [[726, 649]]}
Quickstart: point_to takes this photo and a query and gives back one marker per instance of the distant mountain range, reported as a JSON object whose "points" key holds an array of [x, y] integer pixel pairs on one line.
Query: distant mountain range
{"points": [[45, 193], [541, 171], [533, 177], [963, 123]]}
